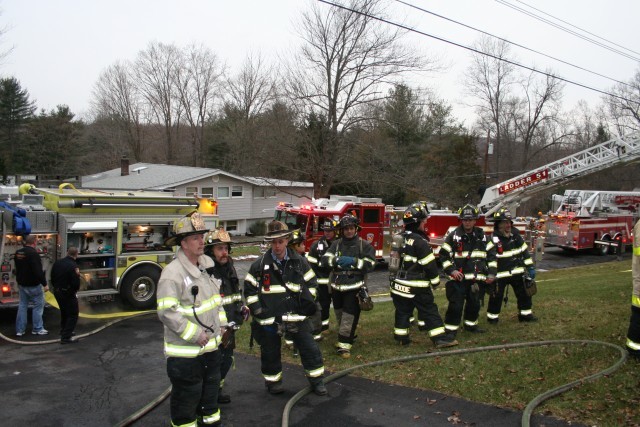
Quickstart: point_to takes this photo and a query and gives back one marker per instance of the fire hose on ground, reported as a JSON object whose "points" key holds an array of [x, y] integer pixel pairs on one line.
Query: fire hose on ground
{"points": [[526, 415]]}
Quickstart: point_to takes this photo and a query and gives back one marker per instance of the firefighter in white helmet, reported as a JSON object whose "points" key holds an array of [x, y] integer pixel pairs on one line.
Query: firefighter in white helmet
{"points": [[412, 287], [633, 334], [515, 269]]}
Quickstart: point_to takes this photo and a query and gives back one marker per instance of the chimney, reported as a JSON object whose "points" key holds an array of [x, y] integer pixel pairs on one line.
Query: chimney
{"points": [[124, 166]]}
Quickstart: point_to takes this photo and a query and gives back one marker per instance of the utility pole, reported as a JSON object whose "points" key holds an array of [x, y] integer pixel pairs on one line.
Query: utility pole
{"points": [[486, 157]]}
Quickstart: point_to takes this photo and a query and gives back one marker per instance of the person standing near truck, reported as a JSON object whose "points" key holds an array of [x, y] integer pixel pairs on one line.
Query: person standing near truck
{"points": [[65, 281], [32, 284], [633, 334]]}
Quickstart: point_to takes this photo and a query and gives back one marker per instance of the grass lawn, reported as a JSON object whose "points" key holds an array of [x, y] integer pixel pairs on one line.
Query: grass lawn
{"points": [[583, 303]]}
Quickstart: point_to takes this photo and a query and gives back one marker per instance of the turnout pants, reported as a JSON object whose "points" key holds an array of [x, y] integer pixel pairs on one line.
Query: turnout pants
{"points": [[633, 334], [525, 302], [428, 316], [226, 355], [461, 302], [195, 383], [270, 343], [347, 312], [68, 303], [324, 298]]}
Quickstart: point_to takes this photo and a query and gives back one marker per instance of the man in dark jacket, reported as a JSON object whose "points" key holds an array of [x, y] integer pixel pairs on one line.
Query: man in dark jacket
{"points": [[466, 260], [277, 292], [32, 284], [65, 280], [351, 258], [515, 268], [412, 286], [317, 250], [218, 247]]}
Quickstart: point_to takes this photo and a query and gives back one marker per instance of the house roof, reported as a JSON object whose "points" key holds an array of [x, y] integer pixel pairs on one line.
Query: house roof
{"points": [[150, 176]]}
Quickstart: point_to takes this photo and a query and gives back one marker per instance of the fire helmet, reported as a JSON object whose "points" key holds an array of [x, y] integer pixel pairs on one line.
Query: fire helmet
{"points": [[415, 213], [329, 225], [348, 220], [501, 215], [296, 237], [468, 212]]}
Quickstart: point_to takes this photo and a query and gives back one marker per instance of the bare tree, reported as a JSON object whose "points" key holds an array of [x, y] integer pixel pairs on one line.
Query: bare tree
{"points": [[117, 99], [489, 79], [198, 83], [347, 60], [155, 70], [624, 107], [253, 88]]}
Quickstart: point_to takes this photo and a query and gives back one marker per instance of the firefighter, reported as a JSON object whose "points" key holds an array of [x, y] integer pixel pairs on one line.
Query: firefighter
{"points": [[351, 259], [633, 334], [412, 287], [465, 259], [190, 307], [317, 250], [277, 290], [217, 245], [515, 268]]}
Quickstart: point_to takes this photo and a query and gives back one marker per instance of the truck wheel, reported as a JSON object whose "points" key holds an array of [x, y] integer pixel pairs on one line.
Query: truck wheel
{"points": [[139, 287], [603, 250]]}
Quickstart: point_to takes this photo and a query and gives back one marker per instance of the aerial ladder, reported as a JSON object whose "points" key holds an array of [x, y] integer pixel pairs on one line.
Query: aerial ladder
{"points": [[512, 193]]}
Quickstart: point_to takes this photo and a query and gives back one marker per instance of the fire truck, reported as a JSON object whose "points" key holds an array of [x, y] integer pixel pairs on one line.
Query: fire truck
{"points": [[375, 218], [584, 219], [598, 220], [119, 235]]}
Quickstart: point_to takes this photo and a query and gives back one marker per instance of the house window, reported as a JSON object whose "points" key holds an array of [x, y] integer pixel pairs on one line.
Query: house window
{"points": [[258, 192], [262, 192], [231, 225], [207, 191], [236, 191], [191, 191], [223, 193], [270, 192]]}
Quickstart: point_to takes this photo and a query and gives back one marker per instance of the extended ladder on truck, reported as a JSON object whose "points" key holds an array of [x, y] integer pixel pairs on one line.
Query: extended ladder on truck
{"points": [[512, 193]]}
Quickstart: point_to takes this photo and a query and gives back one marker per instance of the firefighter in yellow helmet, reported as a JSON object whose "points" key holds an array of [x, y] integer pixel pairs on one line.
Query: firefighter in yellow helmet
{"points": [[190, 307], [515, 268], [633, 334], [470, 265]]}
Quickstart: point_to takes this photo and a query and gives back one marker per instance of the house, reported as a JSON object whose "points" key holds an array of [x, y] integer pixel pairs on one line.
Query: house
{"points": [[242, 201]]}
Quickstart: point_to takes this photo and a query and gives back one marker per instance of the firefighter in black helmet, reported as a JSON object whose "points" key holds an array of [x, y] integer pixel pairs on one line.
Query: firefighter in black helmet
{"points": [[317, 250], [470, 265], [351, 259], [412, 287], [515, 267]]}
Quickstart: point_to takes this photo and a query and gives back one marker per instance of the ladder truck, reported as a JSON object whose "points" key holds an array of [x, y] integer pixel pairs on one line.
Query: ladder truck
{"points": [[567, 228]]}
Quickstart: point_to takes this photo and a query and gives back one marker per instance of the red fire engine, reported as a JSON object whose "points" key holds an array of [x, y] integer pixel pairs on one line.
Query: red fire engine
{"points": [[375, 218], [599, 220]]}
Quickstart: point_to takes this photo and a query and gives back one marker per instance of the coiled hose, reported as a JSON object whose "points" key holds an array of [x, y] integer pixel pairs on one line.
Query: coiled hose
{"points": [[526, 415]]}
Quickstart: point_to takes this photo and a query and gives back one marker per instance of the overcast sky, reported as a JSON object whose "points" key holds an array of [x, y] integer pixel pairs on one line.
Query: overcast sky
{"points": [[61, 46]]}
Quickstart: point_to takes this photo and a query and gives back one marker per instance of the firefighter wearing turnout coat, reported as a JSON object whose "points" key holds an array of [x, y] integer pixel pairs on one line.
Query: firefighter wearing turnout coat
{"points": [[218, 247], [277, 291], [412, 287], [190, 307], [515, 267], [317, 250], [470, 265], [633, 334], [351, 259]]}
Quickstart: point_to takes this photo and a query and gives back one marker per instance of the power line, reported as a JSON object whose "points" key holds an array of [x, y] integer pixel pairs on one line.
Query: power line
{"points": [[510, 42], [413, 30], [578, 28], [560, 27]]}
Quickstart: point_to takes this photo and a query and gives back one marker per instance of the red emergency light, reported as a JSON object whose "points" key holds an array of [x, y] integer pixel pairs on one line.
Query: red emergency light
{"points": [[6, 289]]}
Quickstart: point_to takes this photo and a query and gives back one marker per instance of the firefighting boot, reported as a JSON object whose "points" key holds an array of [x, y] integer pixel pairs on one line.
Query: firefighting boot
{"points": [[223, 397], [274, 387], [527, 318], [474, 329], [444, 340]]}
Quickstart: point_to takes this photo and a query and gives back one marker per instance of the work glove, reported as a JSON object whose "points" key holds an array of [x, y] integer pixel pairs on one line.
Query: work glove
{"points": [[475, 288], [346, 261], [532, 273], [245, 312]]}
